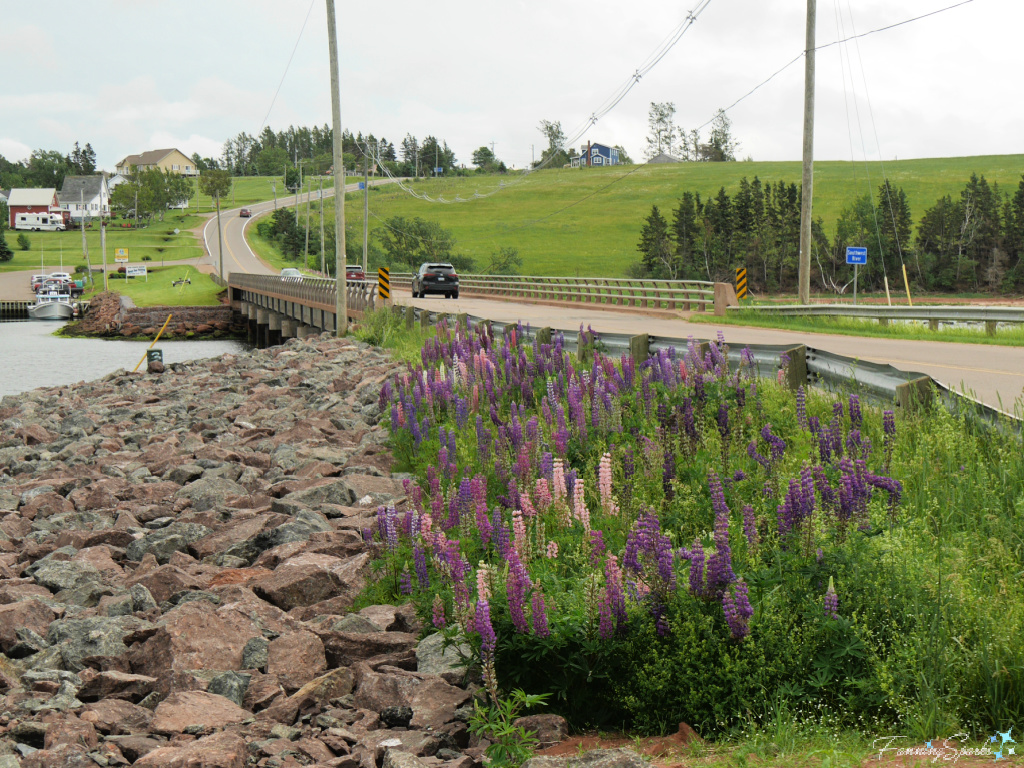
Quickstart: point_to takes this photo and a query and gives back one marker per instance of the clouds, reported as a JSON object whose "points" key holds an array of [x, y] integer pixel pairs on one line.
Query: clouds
{"points": [[132, 76]]}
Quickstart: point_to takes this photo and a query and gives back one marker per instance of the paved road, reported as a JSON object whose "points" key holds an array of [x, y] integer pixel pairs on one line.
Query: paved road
{"points": [[992, 373], [238, 257]]}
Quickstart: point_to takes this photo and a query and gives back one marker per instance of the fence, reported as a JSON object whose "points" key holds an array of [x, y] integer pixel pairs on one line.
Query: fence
{"points": [[933, 314]]}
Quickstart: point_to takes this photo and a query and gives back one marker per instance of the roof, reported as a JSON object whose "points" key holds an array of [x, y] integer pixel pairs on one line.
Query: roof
{"points": [[152, 157], [31, 196], [663, 157], [3, 194], [77, 187]]}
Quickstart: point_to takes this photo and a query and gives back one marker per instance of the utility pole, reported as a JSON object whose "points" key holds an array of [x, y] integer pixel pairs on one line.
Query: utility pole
{"points": [[341, 306], [807, 188], [220, 239], [323, 256], [85, 245], [309, 191], [366, 212], [103, 248], [273, 185]]}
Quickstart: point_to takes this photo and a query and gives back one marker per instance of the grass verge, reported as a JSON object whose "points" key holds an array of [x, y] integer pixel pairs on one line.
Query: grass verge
{"points": [[158, 290], [912, 330]]}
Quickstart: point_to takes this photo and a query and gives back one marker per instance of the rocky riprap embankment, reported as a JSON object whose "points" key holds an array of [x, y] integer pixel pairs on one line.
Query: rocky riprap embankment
{"points": [[179, 555]]}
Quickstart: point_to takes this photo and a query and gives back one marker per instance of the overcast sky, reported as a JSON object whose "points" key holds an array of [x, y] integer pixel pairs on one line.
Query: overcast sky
{"points": [[132, 75]]}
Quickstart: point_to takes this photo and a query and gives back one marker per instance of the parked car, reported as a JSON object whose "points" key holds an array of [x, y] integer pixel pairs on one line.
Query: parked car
{"points": [[291, 275], [75, 288], [354, 272], [59, 276], [435, 277], [245, 213]]}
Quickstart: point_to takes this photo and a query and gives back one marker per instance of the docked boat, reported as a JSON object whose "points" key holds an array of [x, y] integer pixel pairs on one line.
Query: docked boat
{"points": [[52, 305]]}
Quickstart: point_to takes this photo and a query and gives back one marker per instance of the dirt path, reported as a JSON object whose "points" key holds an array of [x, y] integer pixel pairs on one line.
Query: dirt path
{"points": [[15, 285]]}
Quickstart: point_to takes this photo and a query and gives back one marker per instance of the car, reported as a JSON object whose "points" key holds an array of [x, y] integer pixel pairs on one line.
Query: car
{"points": [[59, 276], [291, 275], [37, 280], [353, 273], [245, 213], [435, 277]]}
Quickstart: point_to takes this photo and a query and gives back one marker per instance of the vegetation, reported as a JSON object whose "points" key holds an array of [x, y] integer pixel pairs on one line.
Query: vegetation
{"points": [[158, 290], [668, 541], [6, 254], [148, 193], [1012, 336]]}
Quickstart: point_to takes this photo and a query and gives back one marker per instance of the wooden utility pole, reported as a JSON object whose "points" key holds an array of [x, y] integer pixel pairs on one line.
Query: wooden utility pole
{"points": [[323, 255], [305, 248], [85, 245], [807, 188], [366, 212], [341, 306], [103, 248]]}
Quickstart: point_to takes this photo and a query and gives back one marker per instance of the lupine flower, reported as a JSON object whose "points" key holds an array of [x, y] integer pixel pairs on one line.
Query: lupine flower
{"points": [[750, 526], [596, 547], [420, 560], [552, 551], [604, 474], [579, 505], [540, 615], [438, 617], [613, 590], [736, 606], [516, 587], [831, 600], [856, 419], [519, 531], [405, 581], [801, 407], [483, 581], [482, 624], [558, 482], [719, 569], [543, 494]]}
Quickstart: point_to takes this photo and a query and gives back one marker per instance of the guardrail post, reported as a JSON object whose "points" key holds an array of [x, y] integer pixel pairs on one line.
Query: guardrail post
{"points": [[462, 319], [933, 325], [990, 327], [424, 319], [544, 335], [725, 296], [914, 394], [410, 317], [639, 347], [883, 321], [796, 371]]}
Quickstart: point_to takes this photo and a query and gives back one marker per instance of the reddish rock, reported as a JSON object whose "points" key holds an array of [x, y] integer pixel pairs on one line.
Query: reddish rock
{"points": [[194, 636], [346, 648], [114, 685], [115, 716], [99, 557], [45, 505], [34, 434], [164, 581], [302, 581], [296, 658], [432, 700], [134, 747], [221, 750], [31, 614], [180, 710], [244, 530], [548, 729], [314, 749], [69, 730], [262, 691]]}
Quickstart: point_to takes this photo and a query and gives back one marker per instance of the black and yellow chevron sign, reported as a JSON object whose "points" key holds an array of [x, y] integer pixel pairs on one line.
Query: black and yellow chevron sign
{"points": [[384, 282], [741, 282]]}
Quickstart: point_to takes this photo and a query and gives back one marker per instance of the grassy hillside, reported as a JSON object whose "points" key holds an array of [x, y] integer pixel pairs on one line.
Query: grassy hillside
{"points": [[598, 234]]}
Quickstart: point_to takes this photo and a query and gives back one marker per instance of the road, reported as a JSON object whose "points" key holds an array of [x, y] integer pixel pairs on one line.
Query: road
{"points": [[995, 375], [238, 257]]}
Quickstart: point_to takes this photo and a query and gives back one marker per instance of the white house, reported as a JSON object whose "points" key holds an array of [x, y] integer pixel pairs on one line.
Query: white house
{"points": [[85, 197], [113, 181]]}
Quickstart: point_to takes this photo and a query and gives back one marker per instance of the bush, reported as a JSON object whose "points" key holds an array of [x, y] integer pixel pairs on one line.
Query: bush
{"points": [[23, 242], [6, 254], [150, 258]]}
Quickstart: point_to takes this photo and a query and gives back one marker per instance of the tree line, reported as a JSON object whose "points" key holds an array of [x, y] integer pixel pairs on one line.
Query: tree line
{"points": [[974, 241], [47, 168]]}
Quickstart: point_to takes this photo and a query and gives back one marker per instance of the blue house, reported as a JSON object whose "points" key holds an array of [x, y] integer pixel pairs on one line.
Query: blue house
{"points": [[595, 154]]}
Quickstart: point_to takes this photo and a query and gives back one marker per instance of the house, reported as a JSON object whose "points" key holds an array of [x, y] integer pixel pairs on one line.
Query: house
{"points": [[32, 201], [3, 196], [663, 157], [113, 181], [84, 197], [595, 154], [170, 160]]}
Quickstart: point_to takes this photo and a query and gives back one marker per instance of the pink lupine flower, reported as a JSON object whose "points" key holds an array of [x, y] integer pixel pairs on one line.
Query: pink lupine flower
{"points": [[527, 505], [483, 586], [543, 493], [558, 478], [552, 550], [579, 506], [780, 376], [519, 531], [604, 475], [682, 369]]}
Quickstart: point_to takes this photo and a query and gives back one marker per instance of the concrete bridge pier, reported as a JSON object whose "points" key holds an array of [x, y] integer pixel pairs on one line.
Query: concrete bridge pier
{"points": [[248, 313], [274, 329], [263, 327], [305, 331], [289, 328]]}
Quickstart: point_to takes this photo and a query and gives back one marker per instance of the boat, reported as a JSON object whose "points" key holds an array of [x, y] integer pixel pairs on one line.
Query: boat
{"points": [[52, 305]]}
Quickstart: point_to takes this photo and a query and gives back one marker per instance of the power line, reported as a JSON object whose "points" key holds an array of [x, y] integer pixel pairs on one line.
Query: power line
{"points": [[286, 66]]}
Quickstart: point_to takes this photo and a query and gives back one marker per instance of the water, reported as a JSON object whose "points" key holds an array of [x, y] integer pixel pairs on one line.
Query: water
{"points": [[31, 356]]}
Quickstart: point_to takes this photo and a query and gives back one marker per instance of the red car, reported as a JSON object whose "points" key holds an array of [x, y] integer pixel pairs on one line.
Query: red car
{"points": [[245, 213], [354, 272]]}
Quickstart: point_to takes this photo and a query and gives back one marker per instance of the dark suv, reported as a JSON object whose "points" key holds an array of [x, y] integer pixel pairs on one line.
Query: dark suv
{"points": [[435, 278]]}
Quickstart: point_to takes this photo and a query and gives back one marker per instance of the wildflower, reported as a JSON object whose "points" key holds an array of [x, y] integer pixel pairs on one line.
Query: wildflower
{"points": [[552, 551], [405, 581], [801, 407], [736, 606], [483, 586], [719, 569], [596, 547], [604, 474], [558, 482], [831, 600], [579, 505], [420, 560], [516, 587], [856, 419], [438, 617], [750, 526], [540, 615]]}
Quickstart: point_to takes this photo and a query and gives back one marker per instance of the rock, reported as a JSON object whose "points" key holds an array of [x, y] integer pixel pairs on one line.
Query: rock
{"points": [[69, 730], [180, 710], [59, 576], [221, 750], [163, 543], [210, 492], [155, 366], [346, 648], [548, 729], [432, 658], [396, 717], [230, 685], [595, 758], [115, 685], [302, 581], [164, 582], [134, 747], [256, 654], [115, 716], [319, 691], [394, 758], [296, 658], [77, 639], [354, 623], [30, 614], [432, 700]]}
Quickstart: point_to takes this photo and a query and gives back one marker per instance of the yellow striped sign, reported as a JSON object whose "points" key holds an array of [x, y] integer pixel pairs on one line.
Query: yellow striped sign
{"points": [[741, 282], [384, 283]]}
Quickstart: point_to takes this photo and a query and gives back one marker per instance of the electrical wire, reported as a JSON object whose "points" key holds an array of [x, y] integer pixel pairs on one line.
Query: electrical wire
{"points": [[286, 67]]}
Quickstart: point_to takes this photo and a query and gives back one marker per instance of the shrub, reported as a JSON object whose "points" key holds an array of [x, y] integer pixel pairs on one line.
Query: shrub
{"points": [[6, 254], [23, 242]]}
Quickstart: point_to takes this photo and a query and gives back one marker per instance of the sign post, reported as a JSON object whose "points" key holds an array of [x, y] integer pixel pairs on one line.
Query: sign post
{"points": [[121, 257], [384, 283], [857, 256], [741, 282]]}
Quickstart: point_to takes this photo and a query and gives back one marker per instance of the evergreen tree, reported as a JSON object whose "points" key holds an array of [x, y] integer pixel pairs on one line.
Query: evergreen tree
{"points": [[656, 246], [6, 254], [685, 231]]}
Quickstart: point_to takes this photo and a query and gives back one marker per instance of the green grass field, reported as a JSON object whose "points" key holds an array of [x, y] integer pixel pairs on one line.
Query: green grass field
{"points": [[157, 290], [248, 190], [157, 241], [598, 234]]}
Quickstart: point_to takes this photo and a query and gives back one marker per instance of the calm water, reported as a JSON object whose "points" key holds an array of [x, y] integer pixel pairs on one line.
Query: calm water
{"points": [[31, 357]]}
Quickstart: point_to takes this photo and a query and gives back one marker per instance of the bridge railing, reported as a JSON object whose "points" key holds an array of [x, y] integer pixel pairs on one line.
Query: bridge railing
{"points": [[626, 292], [312, 291]]}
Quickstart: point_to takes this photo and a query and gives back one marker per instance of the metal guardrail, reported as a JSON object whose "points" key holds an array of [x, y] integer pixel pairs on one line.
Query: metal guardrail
{"points": [[626, 292], [937, 313], [314, 292]]}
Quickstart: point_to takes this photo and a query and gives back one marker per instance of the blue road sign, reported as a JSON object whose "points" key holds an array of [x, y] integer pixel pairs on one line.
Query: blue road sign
{"points": [[439, 169], [856, 255], [362, 185]]}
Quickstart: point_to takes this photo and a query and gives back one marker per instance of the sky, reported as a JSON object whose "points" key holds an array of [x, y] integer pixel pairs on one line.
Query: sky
{"points": [[132, 75]]}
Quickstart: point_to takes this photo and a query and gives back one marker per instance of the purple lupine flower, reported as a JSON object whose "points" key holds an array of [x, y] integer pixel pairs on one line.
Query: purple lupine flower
{"points": [[750, 526], [614, 595], [660, 619], [605, 623], [736, 606], [405, 581], [540, 615], [723, 420], [696, 558], [801, 407], [688, 423], [628, 462], [831, 600], [856, 419], [482, 624], [719, 569], [438, 618], [596, 547], [741, 396], [516, 587], [825, 491], [738, 475], [420, 560]]}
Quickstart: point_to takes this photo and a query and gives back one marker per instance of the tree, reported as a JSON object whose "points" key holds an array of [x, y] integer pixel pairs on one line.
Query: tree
{"points": [[47, 168], [6, 254], [656, 246], [506, 261], [82, 161], [436, 154], [661, 135], [721, 146], [555, 155], [411, 242], [271, 161], [23, 241], [5, 215], [216, 184], [623, 157]]}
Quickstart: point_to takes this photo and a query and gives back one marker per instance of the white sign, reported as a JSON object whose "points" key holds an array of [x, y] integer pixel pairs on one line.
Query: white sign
{"points": [[136, 271], [121, 261]]}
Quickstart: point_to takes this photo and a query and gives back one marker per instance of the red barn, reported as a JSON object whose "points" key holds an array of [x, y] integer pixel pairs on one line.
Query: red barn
{"points": [[32, 201]]}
